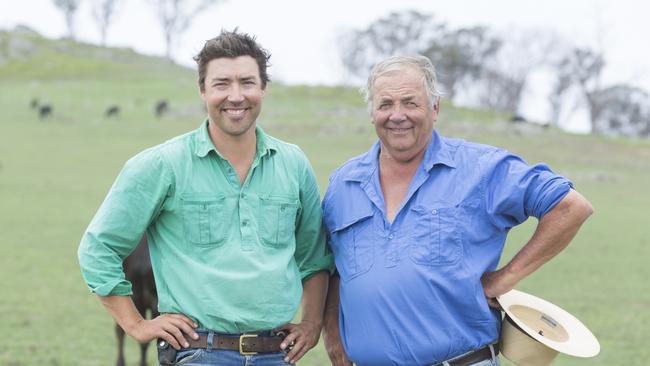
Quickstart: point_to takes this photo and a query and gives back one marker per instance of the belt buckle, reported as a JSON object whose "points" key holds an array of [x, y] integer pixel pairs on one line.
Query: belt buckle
{"points": [[241, 344]]}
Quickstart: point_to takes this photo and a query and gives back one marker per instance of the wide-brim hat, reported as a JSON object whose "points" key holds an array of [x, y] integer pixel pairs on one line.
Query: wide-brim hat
{"points": [[535, 330]]}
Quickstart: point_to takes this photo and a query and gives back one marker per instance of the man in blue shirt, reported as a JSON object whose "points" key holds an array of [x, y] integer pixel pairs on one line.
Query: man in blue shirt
{"points": [[418, 224]]}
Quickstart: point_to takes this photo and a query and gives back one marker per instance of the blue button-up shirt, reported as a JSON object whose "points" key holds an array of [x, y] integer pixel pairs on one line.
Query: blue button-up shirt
{"points": [[410, 290]]}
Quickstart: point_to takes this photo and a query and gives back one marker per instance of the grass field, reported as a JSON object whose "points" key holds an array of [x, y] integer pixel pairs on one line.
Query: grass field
{"points": [[54, 174]]}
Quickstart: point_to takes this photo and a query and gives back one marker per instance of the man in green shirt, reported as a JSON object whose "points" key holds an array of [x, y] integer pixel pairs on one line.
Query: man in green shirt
{"points": [[233, 220]]}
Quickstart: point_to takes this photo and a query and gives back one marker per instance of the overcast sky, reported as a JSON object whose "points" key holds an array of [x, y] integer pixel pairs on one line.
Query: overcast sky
{"points": [[301, 35]]}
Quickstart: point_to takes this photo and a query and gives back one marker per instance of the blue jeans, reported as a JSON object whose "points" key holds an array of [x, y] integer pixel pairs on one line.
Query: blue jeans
{"points": [[218, 357]]}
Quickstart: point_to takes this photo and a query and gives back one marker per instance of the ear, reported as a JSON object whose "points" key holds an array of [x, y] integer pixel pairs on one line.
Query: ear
{"points": [[201, 90]]}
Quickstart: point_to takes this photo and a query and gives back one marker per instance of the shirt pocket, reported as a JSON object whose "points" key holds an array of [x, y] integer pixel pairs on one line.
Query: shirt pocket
{"points": [[203, 219], [277, 220], [435, 239], [352, 243]]}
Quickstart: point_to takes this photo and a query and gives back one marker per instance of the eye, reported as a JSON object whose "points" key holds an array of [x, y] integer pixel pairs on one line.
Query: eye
{"points": [[384, 106]]}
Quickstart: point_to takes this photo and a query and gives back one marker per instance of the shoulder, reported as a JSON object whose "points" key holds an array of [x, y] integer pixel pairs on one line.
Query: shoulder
{"points": [[161, 154], [471, 155], [285, 149], [355, 167], [469, 148]]}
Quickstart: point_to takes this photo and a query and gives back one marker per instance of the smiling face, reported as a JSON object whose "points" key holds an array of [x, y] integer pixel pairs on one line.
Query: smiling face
{"points": [[233, 95], [403, 113]]}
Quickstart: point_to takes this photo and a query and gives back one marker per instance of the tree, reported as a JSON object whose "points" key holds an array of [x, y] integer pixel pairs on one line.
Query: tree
{"points": [[460, 55], [582, 68], [405, 33], [506, 70], [623, 110], [104, 12], [175, 17], [69, 9]]}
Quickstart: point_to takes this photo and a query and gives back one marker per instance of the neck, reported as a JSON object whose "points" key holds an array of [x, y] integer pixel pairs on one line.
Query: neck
{"points": [[401, 160], [234, 148]]}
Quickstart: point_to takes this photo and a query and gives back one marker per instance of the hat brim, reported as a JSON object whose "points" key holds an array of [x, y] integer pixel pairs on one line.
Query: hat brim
{"points": [[549, 324]]}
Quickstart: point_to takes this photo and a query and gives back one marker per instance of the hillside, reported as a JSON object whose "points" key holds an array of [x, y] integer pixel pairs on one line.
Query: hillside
{"points": [[25, 54], [55, 171]]}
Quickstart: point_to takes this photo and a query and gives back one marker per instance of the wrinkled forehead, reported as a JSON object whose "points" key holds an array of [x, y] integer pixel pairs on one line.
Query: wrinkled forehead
{"points": [[406, 79]]}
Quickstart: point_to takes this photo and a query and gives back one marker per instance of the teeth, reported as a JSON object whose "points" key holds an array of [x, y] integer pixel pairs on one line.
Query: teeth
{"points": [[235, 111]]}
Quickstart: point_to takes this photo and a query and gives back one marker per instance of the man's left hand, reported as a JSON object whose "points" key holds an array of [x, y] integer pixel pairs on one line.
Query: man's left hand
{"points": [[302, 337], [495, 284]]}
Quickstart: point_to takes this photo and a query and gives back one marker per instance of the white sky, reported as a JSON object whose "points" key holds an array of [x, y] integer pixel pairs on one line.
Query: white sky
{"points": [[301, 35]]}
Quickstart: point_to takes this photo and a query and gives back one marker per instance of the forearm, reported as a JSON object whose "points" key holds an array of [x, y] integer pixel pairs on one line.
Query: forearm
{"points": [[554, 232], [331, 334], [313, 298], [331, 314], [123, 311]]}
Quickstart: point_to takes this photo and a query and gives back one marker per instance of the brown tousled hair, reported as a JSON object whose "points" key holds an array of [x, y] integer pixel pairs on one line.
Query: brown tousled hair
{"points": [[232, 44]]}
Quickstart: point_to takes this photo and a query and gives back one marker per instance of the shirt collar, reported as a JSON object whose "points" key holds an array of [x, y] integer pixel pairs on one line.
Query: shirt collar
{"points": [[437, 152], [204, 145]]}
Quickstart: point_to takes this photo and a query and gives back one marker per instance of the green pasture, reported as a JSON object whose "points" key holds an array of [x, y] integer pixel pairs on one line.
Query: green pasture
{"points": [[54, 174]]}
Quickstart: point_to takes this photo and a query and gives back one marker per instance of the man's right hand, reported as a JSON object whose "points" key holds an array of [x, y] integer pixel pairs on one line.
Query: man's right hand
{"points": [[170, 327], [173, 328]]}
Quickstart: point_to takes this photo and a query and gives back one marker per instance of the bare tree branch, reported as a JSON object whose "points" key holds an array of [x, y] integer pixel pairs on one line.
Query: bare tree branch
{"points": [[68, 8], [104, 13], [175, 17]]}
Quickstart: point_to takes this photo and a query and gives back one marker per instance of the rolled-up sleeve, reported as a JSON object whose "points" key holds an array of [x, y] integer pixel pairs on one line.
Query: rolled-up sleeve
{"points": [[515, 190], [129, 207], [311, 255]]}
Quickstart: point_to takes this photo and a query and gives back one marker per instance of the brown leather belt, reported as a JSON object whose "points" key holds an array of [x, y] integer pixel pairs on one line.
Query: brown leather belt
{"points": [[473, 357], [246, 344]]}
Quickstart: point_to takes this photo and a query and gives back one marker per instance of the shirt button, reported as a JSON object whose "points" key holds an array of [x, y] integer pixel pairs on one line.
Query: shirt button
{"points": [[435, 212], [243, 195], [244, 222], [391, 236]]}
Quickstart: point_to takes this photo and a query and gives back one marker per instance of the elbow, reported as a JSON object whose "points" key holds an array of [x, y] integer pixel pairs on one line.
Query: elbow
{"points": [[581, 207]]}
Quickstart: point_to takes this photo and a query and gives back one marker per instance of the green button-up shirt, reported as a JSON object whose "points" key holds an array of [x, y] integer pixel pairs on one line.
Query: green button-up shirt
{"points": [[228, 255]]}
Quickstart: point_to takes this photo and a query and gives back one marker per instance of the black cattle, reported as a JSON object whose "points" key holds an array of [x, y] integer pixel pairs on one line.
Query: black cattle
{"points": [[137, 268], [112, 111], [161, 108], [517, 119], [45, 111]]}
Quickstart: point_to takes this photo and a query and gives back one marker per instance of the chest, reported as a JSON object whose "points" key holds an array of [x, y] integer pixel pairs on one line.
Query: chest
{"points": [[395, 185]]}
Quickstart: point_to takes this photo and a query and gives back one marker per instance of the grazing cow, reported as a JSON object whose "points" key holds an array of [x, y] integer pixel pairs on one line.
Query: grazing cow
{"points": [[517, 118], [44, 111], [137, 268], [112, 111], [33, 104], [161, 108]]}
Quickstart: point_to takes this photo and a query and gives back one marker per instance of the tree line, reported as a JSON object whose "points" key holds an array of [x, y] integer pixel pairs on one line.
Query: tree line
{"points": [[475, 64], [174, 16], [492, 70]]}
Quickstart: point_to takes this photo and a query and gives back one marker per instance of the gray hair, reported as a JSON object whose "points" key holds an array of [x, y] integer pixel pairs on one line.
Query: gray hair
{"points": [[398, 63]]}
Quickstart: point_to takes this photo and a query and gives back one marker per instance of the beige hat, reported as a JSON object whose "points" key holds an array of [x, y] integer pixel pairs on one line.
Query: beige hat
{"points": [[534, 331]]}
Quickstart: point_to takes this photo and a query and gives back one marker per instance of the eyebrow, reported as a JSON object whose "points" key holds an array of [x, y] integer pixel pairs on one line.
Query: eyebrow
{"points": [[244, 78]]}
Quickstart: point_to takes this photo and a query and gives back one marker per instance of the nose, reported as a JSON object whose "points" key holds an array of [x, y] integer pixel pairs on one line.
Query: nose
{"points": [[235, 94], [397, 114]]}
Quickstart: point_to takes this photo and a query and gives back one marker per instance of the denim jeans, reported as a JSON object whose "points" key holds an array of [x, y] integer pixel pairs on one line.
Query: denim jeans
{"points": [[217, 357]]}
